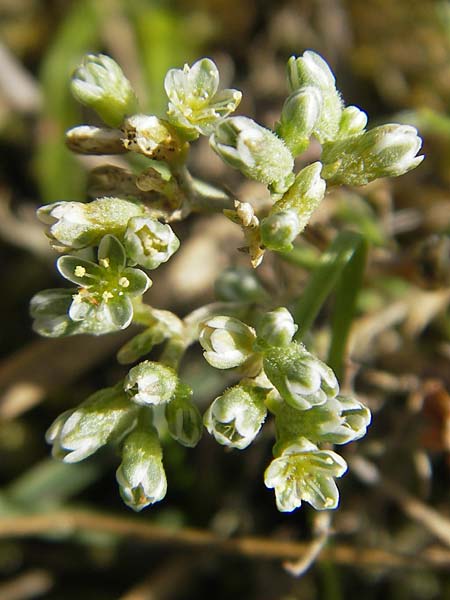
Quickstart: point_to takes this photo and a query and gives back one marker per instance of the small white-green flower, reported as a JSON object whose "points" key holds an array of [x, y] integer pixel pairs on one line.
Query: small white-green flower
{"points": [[235, 417], [305, 473], [353, 121], [75, 225], [103, 302], [385, 151], [311, 70], [290, 214], [195, 104], [149, 243], [153, 137], [338, 421], [276, 327], [301, 379], [99, 82], [151, 383], [227, 342], [256, 151], [103, 417], [183, 418], [299, 116], [141, 476]]}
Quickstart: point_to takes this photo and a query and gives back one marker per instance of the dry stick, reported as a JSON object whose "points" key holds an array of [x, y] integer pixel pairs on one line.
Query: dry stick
{"points": [[69, 522], [31, 584]]}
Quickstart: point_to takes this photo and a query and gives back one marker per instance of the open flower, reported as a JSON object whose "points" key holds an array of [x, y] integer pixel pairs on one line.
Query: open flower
{"points": [[149, 243], [305, 473], [195, 104], [104, 297]]}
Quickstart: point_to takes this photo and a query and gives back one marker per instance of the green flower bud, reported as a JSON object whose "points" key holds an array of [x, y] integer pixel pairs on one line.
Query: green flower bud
{"points": [[183, 418], [256, 151], [299, 117], [277, 327], [339, 421], [353, 121], [75, 225], [100, 84], [195, 105], [227, 342], [103, 417], [310, 70], [141, 476], [235, 417], [290, 215], [305, 473], [152, 137], [149, 243], [385, 151], [103, 302], [86, 139], [301, 379], [151, 383], [238, 284]]}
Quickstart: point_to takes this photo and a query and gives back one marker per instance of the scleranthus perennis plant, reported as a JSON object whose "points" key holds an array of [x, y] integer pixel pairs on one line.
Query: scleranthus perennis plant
{"points": [[110, 243]]}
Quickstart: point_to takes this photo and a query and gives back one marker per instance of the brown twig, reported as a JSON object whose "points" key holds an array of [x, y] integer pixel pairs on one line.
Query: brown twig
{"points": [[73, 521]]}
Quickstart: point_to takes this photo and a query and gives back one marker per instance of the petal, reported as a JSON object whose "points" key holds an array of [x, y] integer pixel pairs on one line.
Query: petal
{"points": [[120, 311], [138, 281], [79, 270], [111, 253]]}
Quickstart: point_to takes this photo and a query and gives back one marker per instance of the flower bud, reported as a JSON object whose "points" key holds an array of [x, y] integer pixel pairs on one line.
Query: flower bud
{"points": [[256, 151], [385, 151], [100, 84], [152, 137], [238, 284], [305, 473], [301, 379], [277, 327], [290, 215], [103, 417], [149, 243], [310, 70], [227, 342], [299, 117], [183, 418], [235, 417], [75, 225], [338, 421], [141, 476], [353, 121], [195, 105], [86, 139], [150, 383]]}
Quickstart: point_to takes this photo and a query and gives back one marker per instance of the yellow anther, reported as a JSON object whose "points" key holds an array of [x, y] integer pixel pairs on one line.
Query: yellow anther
{"points": [[107, 296], [124, 282], [79, 271], [104, 262]]}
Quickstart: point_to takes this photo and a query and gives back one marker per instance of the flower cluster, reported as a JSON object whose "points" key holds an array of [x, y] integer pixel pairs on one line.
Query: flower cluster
{"points": [[299, 390], [109, 242]]}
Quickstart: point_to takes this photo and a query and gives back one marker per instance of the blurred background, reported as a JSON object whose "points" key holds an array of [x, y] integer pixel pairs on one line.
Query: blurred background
{"points": [[393, 60]]}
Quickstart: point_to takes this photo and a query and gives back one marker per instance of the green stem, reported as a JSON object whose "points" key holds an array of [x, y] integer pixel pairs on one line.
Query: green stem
{"points": [[342, 265]]}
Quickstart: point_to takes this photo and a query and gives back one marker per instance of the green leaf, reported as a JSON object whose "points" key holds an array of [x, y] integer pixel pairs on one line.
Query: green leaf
{"points": [[345, 258]]}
